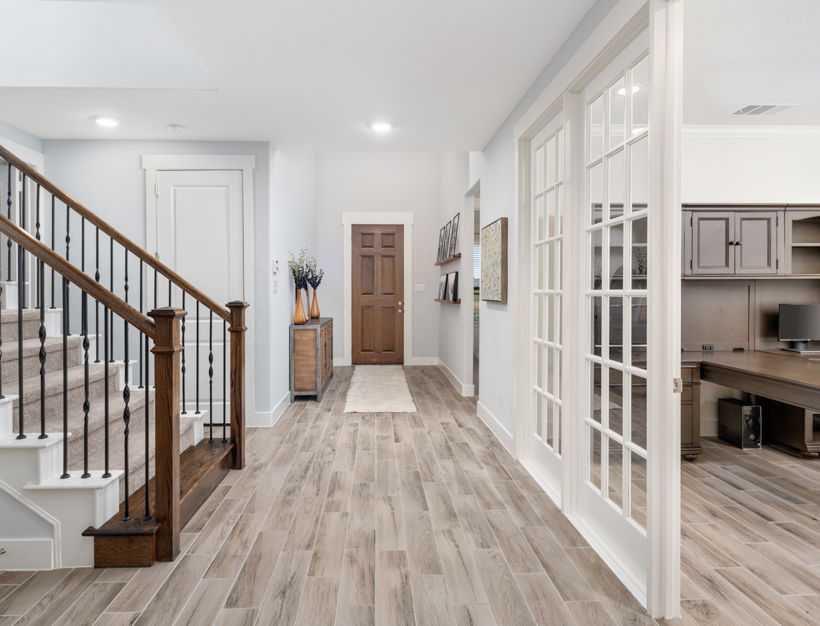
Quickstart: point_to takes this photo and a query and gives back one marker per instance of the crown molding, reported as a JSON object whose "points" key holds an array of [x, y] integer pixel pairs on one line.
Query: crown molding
{"points": [[726, 130]]}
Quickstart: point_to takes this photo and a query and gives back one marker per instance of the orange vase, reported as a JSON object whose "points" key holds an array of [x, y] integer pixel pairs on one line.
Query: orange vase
{"points": [[299, 316], [314, 306]]}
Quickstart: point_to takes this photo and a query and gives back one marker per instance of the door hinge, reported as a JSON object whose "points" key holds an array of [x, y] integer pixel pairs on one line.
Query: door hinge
{"points": [[691, 268], [156, 189], [677, 385], [777, 264]]}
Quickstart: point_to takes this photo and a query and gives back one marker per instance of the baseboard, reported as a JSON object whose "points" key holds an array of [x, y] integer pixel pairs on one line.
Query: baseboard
{"points": [[502, 434], [341, 361], [269, 418], [28, 554], [468, 391], [421, 360]]}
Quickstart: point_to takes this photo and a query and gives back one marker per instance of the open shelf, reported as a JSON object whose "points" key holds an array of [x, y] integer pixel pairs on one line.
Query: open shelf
{"points": [[450, 301], [449, 259]]}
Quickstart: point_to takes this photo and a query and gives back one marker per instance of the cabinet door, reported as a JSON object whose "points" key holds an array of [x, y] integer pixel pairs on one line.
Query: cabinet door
{"points": [[712, 232], [756, 235]]}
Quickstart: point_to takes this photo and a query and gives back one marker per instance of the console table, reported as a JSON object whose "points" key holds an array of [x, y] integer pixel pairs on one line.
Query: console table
{"points": [[311, 357]]}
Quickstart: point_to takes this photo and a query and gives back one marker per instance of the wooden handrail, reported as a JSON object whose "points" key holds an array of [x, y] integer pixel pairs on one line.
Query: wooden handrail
{"points": [[77, 277], [116, 235]]}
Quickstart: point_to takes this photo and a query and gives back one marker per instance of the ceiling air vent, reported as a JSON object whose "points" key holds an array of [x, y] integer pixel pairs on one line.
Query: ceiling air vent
{"points": [[761, 109]]}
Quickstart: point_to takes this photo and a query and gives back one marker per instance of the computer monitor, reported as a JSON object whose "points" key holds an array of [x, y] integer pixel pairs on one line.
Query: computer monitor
{"points": [[799, 324]]}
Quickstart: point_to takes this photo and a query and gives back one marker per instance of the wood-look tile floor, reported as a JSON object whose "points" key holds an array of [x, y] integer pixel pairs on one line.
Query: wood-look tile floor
{"points": [[424, 518]]}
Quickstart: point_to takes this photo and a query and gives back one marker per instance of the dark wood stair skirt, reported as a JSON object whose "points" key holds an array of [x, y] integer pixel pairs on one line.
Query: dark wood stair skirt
{"points": [[131, 543]]}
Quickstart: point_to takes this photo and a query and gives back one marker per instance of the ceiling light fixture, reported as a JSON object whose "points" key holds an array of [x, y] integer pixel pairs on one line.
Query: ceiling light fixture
{"points": [[381, 127], [107, 122], [635, 89]]}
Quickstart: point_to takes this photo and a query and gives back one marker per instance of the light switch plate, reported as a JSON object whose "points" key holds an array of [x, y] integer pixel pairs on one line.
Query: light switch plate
{"points": [[420, 287]]}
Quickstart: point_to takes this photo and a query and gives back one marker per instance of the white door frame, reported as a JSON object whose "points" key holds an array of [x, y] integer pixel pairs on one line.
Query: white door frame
{"points": [[624, 22], [153, 163], [406, 219]]}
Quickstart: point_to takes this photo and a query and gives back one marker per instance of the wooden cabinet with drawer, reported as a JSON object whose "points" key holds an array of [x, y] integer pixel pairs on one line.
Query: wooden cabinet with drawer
{"points": [[311, 357], [690, 411]]}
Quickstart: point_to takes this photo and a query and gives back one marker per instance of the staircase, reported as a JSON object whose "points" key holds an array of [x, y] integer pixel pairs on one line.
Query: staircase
{"points": [[102, 459]]}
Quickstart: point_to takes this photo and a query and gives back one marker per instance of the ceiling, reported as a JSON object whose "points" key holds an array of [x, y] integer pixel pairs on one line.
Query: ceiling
{"points": [[738, 52], [296, 73]]}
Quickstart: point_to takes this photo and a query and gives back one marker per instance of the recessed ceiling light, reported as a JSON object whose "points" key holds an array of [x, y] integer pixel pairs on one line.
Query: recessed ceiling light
{"points": [[635, 89], [107, 122], [381, 127]]}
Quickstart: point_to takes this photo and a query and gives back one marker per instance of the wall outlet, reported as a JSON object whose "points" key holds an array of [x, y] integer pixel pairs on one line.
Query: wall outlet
{"points": [[708, 346]]}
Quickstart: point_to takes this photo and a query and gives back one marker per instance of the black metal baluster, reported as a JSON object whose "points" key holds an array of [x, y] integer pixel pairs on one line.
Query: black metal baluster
{"points": [[126, 392], [67, 313], [184, 406], [107, 472], [21, 252], [9, 204], [169, 291], [142, 335], [65, 379], [37, 237], [53, 225], [20, 294], [41, 271], [197, 358], [155, 287], [86, 401], [147, 437], [224, 378], [211, 378], [111, 288], [97, 302]]}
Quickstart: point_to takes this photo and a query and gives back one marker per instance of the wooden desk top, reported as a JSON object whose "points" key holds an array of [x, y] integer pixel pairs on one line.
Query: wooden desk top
{"points": [[789, 378]]}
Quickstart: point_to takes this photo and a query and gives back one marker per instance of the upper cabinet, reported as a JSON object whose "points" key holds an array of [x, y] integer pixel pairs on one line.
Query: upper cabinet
{"points": [[738, 241], [803, 242]]}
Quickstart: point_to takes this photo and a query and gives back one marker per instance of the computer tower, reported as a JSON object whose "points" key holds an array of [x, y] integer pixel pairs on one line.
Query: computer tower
{"points": [[739, 423]]}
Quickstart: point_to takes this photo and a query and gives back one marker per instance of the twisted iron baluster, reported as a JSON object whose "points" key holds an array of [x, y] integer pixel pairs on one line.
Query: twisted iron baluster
{"points": [[8, 215], [53, 244], [184, 406], [86, 401], [107, 472], [126, 395], [42, 354], [147, 438], [65, 379], [97, 302]]}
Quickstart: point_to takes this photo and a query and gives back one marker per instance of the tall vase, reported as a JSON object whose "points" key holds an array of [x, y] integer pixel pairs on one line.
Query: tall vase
{"points": [[314, 306], [299, 316]]}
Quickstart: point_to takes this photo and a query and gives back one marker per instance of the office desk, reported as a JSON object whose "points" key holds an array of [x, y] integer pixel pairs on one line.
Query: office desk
{"points": [[787, 386]]}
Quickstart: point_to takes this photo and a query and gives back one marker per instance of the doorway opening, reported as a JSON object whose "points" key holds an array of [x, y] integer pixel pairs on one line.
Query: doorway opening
{"points": [[476, 287]]}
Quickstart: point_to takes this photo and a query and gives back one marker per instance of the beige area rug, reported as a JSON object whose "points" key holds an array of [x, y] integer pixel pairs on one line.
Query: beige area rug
{"points": [[379, 389]]}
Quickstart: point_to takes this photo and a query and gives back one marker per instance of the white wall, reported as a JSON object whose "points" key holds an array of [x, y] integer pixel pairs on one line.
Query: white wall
{"points": [[292, 226], [755, 168], [455, 321], [348, 181], [494, 168]]}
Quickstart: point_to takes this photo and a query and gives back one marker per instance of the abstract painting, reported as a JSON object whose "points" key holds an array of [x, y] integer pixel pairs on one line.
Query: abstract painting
{"points": [[494, 261]]}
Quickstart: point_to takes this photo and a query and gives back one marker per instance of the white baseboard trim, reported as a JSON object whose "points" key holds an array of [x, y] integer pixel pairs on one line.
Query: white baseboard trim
{"points": [[269, 418], [502, 434], [542, 481], [468, 391], [341, 361], [421, 360]]}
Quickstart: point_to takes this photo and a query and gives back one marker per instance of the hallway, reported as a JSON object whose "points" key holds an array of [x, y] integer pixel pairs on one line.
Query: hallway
{"points": [[359, 518]]}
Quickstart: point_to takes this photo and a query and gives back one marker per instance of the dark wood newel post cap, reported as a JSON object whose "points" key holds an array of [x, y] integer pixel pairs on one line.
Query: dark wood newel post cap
{"points": [[167, 312]]}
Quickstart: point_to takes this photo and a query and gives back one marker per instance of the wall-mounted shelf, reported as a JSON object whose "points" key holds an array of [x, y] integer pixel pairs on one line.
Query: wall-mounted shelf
{"points": [[449, 259], [450, 301]]}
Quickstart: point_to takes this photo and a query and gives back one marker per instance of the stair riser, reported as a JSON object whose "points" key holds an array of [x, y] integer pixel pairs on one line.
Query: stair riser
{"points": [[9, 330], [31, 363], [75, 396]]}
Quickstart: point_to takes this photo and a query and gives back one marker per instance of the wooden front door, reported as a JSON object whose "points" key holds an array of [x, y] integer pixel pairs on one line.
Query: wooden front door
{"points": [[378, 293]]}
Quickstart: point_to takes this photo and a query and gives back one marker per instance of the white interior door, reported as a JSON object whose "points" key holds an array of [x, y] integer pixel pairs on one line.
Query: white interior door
{"points": [[611, 486], [545, 429], [199, 234]]}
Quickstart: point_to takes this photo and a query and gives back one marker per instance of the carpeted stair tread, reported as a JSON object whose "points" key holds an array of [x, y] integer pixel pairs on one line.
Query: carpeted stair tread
{"points": [[54, 381]]}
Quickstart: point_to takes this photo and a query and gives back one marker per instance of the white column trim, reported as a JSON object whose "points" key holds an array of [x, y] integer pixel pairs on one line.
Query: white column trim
{"points": [[406, 219]]}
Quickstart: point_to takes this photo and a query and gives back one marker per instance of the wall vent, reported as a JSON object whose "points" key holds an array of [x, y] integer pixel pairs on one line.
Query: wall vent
{"points": [[761, 109]]}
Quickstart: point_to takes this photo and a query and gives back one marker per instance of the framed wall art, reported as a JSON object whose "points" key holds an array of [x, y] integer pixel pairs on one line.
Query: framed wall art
{"points": [[494, 261]]}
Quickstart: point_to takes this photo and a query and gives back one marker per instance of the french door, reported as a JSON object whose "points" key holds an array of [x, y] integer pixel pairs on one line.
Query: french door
{"points": [[545, 436], [612, 484], [602, 422]]}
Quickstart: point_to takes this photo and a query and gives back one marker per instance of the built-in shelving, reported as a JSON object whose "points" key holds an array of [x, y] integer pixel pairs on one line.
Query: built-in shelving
{"points": [[803, 242], [449, 259]]}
